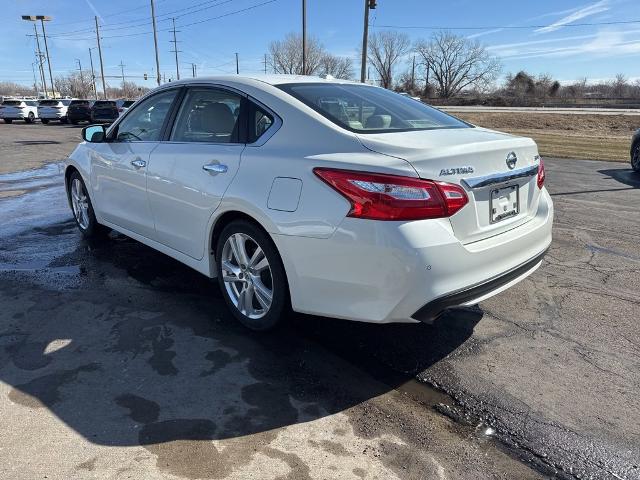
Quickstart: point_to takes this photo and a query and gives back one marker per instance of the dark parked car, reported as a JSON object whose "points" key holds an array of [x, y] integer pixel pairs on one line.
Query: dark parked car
{"points": [[635, 152], [104, 111], [79, 111]]}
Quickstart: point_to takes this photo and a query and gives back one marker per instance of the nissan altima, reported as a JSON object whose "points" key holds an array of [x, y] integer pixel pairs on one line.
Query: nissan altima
{"points": [[315, 195]]}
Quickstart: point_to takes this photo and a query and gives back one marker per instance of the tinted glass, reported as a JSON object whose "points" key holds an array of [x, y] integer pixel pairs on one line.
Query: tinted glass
{"points": [[259, 122], [11, 103], [79, 102], [128, 103], [208, 115], [104, 103], [366, 109], [49, 103], [145, 121]]}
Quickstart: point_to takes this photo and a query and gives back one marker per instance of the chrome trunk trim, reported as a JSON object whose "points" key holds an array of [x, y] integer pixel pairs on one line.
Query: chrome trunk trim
{"points": [[479, 182]]}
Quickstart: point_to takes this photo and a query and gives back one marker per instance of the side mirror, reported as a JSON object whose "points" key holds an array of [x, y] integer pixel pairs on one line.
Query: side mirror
{"points": [[94, 133]]}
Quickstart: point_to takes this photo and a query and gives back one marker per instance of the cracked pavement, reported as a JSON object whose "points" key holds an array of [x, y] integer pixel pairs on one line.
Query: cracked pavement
{"points": [[118, 362]]}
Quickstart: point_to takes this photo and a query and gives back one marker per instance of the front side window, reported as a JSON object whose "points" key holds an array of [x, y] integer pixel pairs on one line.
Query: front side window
{"points": [[366, 109], [145, 122], [208, 115]]}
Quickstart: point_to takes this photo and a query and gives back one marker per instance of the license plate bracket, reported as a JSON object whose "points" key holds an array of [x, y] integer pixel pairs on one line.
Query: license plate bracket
{"points": [[505, 203]]}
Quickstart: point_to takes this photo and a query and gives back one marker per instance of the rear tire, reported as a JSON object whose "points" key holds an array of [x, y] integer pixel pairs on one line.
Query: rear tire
{"points": [[635, 158], [8, 120], [82, 208], [251, 276], [44, 121], [74, 122], [64, 120], [30, 118]]}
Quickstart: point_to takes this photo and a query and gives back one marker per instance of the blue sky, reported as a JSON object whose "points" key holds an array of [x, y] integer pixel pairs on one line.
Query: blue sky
{"points": [[566, 52]]}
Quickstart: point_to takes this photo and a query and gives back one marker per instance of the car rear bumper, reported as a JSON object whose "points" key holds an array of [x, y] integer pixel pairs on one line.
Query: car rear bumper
{"points": [[79, 117], [386, 272]]}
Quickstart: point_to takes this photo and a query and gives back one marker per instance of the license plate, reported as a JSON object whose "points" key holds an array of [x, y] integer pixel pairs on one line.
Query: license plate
{"points": [[505, 203]]}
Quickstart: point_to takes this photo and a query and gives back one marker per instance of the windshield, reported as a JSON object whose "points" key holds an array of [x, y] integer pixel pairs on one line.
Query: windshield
{"points": [[104, 103], [128, 103], [80, 102], [12, 103], [365, 109], [49, 103]]}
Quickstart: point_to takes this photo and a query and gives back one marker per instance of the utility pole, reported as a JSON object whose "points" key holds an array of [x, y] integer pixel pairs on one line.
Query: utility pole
{"points": [[80, 69], [265, 63], [35, 81], [193, 69], [175, 48], [104, 84], [304, 37], [237, 65], [122, 65], [368, 4], [93, 75], [42, 19], [155, 39], [413, 73]]}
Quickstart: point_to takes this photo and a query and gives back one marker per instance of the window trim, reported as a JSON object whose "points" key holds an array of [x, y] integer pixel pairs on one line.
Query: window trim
{"points": [[242, 132]]}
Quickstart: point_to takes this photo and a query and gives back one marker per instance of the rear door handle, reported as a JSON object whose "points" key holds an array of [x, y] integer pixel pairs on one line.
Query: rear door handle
{"points": [[138, 163], [215, 168]]}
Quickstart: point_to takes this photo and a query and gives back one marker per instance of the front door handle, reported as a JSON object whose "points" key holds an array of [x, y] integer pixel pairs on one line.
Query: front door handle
{"points": [[215, 168], [138, 163]]}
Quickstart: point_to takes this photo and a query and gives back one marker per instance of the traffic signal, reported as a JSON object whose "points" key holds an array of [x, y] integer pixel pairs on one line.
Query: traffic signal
{"points": [[145, 76], [372, 4]]}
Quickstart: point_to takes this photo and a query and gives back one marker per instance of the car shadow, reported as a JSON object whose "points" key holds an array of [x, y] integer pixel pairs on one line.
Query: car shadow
{"points": [[625, 176], [129, 347]]}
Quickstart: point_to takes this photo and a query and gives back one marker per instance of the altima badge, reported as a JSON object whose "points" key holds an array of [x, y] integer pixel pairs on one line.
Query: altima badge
{"points": [[512, 160], [456, 171]]}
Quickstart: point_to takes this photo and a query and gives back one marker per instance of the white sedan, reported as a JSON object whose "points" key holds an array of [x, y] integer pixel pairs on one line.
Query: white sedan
{"points": [[325, 197]]}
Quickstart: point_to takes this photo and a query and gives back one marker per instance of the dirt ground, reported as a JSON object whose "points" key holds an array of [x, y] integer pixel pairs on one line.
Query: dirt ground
{"points": [[591, 137]]}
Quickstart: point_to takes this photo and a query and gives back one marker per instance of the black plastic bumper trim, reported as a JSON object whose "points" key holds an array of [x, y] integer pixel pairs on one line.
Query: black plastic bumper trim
{"points": [[432, 310]]}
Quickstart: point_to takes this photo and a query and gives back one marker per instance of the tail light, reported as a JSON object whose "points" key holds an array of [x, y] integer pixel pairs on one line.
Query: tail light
{"points": [[377, 196], [541, 174]]}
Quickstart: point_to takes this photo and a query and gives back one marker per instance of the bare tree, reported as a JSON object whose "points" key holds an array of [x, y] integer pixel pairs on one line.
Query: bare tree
{"points": [[386, 48], [620, 86], [286, 55], [11, 88], [74, 85], [458, 63], [338, 67]]}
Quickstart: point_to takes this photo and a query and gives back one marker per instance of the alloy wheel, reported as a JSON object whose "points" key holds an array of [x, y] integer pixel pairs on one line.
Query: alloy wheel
{"points": [[80, 203], [247, 275]]}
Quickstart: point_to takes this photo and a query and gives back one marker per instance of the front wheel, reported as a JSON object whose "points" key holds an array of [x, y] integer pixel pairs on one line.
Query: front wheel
{"points": [[30, 118], [44, 120], [83, 208], [251, 276], [635, 158]]}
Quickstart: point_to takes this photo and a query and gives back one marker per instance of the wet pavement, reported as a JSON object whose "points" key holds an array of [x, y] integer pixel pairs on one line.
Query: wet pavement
{"points": [[118, 362]]}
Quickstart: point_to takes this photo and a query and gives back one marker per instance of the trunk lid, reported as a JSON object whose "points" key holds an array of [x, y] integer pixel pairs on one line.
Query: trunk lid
{"points": [[478, 156]]}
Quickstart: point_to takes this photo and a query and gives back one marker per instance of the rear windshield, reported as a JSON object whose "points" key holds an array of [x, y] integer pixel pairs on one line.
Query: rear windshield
{"points": [[12, 103], [128, 103], [49, 103], [104, 103], [366, 109], [80, 102]]}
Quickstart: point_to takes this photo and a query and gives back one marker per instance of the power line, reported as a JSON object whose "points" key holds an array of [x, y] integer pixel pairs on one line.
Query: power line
{"points": [[507, 27]]}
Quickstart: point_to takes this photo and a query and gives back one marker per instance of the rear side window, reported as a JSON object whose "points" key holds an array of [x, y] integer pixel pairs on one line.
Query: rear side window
{"points": [[259, 122], [208, 115]]}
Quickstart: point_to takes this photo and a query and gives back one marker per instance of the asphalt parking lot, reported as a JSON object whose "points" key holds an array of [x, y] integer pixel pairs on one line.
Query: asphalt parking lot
{"points": [[118, 362]]}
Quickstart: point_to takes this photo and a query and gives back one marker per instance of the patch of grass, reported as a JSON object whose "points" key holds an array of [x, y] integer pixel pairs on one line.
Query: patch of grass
{"points": [[590, 137]]}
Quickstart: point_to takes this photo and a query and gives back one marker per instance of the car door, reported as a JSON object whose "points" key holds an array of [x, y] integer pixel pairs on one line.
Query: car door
{"points": [[189, 173], [119, 166]]}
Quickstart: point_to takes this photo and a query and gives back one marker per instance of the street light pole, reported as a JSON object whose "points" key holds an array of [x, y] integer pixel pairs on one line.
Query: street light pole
{"points": [[155, 40], [237, 65], [42, 19], [34, 18], [368, 4], [93, 74], [175, 49]]}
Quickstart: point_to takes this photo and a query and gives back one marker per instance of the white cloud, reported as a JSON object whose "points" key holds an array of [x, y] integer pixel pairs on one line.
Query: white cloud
{"points": [[579, 14]]}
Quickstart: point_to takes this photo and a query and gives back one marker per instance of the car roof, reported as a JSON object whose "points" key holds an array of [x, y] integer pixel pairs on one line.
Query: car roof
{"points": [[271, 79]]}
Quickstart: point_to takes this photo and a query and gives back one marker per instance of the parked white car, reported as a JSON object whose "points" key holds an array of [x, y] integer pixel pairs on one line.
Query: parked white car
{"points": [[53, 109], [328, 197], [16, 109]]}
